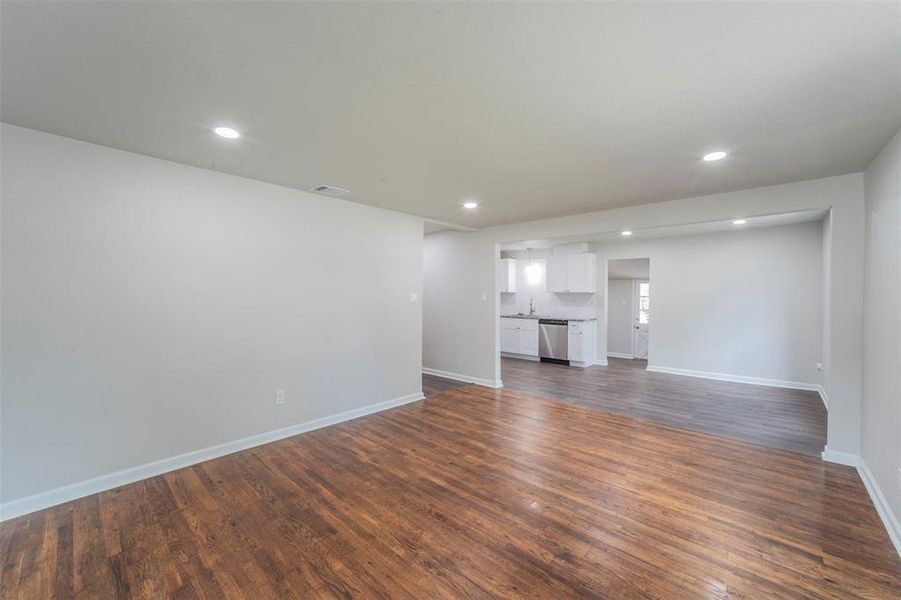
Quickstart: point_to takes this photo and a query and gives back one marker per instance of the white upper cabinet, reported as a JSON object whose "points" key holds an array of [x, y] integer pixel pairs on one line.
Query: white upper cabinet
{"points": [[556, 273], [506, 275], [574, 273], [581, 273]]}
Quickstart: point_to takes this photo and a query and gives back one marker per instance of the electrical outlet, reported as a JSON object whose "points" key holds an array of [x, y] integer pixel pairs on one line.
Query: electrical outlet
{"points": [[279, 397], [414, 297], [819, 366]]}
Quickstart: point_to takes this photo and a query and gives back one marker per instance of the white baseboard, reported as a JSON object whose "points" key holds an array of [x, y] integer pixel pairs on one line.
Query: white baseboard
{"points": [[878, 498], [466, 378], [520, 356], [795, 385], [882, 506], [618, 355], [29, 504], [840, 458], [602, 362], [824, 397]]}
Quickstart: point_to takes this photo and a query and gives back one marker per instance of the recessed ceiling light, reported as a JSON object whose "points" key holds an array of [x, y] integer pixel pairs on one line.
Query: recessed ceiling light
{"points": [[739, 221], [626, 233], [227, 132], [711, 156], [470, 204]]}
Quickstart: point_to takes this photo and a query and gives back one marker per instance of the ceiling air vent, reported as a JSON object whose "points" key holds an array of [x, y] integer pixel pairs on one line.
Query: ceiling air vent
{"points": [[329, 190]]}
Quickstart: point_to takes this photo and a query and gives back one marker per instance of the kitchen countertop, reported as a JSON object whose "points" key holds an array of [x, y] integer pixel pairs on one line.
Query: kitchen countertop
{"points": [[536, 317]]}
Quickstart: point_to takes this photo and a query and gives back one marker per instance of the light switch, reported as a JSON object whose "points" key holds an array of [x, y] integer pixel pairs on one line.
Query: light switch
{"points": [[414, 297], [484, 297]]}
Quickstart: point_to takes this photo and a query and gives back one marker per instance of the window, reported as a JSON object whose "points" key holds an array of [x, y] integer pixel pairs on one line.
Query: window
{"points": [[644, 303]]}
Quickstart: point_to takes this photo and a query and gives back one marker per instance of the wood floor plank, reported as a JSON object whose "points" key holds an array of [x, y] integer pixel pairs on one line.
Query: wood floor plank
{"points": [[433, 385], [471, 493], [788, 419]]}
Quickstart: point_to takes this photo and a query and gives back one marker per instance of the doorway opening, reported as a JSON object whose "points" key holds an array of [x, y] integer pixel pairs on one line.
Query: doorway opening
{"points": [[629, 308]]}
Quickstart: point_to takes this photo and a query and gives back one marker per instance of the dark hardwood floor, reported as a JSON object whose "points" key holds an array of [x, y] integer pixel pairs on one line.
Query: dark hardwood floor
{"points": [[792, 420], [433, 385], [471, 493]]}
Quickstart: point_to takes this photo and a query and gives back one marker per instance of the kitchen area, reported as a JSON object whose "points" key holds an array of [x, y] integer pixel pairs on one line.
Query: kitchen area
{"points": [[548, 305]]}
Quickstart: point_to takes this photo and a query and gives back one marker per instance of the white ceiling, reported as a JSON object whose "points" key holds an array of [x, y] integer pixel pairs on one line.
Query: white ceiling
{"points": [[534, 109], [629, 268]]}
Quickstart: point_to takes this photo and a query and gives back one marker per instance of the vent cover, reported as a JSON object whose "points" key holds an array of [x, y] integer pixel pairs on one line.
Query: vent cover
{"points": [[329, 190]]}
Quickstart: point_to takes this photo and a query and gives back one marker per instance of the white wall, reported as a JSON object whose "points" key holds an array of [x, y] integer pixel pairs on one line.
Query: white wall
{"points": [[452, 299], [827, 304], [152, 309], [881, 415], [460, 329], [845, 327], [619, 318], [745, 302], [565, 306]]}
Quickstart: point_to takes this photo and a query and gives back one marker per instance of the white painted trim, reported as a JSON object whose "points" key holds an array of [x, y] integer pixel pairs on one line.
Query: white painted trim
{"points": [[466, 378], [878, 498], [840, 458], [824, 397], [619, 355], [882, 506], [29, 504], [796, 385], [602, 362], [520, 356]]}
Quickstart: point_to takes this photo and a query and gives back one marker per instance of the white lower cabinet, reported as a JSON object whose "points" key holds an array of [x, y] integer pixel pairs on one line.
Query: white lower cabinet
{"points": [[575, 343], [529, 339], [509, 338], [519, 336], [581, 343]]}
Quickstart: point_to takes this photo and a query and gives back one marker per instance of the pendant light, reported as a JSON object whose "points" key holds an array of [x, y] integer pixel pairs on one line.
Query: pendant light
{"points": [[533, 271]]}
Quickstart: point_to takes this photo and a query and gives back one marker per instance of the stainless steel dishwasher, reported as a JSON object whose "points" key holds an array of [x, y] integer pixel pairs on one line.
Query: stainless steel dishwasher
{"points": [[552, 340]]}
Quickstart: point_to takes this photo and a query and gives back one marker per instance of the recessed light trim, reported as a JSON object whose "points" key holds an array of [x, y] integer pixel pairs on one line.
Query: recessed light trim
{"points": [[712, 156], [227, 132], [626, 233], [739, 221], [470, 204]]}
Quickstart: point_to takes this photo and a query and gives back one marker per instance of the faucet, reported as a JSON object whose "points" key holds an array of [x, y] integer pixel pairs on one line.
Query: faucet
{"points": [[531, 308]]}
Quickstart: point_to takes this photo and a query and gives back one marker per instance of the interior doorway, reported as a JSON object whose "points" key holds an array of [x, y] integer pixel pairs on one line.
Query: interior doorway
{"points": [[629, 308]]}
